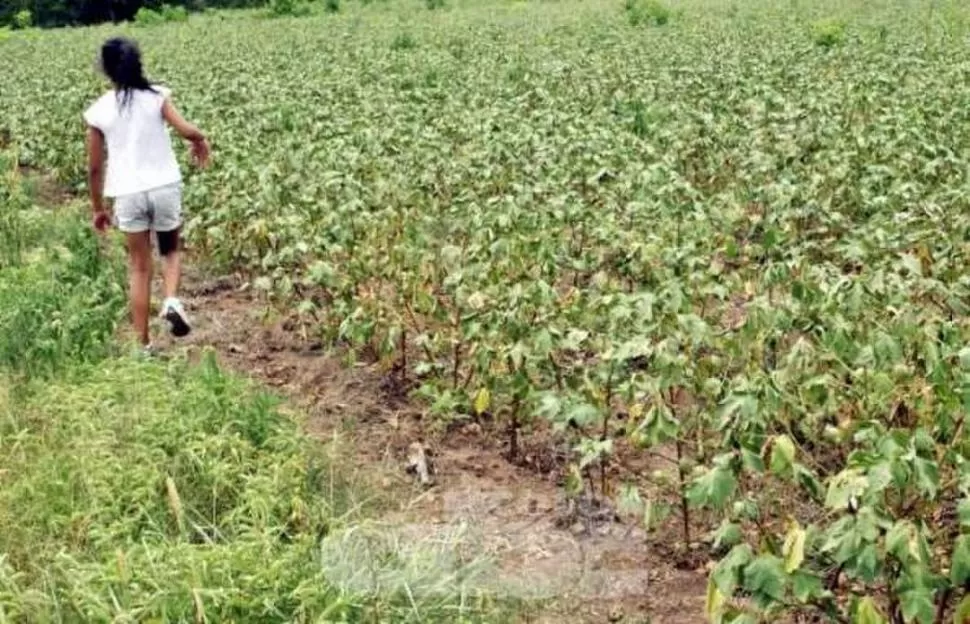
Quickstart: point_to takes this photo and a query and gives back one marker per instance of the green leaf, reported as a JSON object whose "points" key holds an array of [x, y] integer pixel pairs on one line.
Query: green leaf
{"points": [[727, 535], [808, 481], [960, 564], [805, 585], [752, 461], [583, 414], [794, 548], [713, 489], [927, 476], [765, 579], [727, 572], [963, 511], [866, 563], [782, 455], [868, 613], [901, 541], [917, 605], [845, 487]]}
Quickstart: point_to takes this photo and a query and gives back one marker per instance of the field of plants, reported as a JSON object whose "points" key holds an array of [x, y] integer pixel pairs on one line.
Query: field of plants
{"points": [[728, 236], [163, 491]]}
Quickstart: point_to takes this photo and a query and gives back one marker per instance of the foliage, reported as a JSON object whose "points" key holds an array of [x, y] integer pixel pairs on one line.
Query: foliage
{"points": [[433, 5], [23, 19], [293, 8], [706, 246], [174, 13], [148, 17], [60, 295], [331, 6], [404, 41], [648, 12], [167, 13], [828, 33]]}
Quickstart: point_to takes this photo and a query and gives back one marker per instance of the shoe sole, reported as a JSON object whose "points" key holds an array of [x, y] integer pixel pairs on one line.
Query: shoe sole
{"points": [[180, 327]]}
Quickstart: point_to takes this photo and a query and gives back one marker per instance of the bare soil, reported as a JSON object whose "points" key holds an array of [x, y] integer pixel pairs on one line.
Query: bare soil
{"points": [[588, 570]]}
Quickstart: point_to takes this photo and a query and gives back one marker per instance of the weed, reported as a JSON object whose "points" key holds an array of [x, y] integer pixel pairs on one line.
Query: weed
{"points": [[290, 8], [148, 17], [404, 41], [828, 33], [23, 19], [174, 13], [647, 12]]}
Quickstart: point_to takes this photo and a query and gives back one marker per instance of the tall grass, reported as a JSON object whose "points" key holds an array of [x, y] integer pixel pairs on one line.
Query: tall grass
{"points": [[138, 490]]}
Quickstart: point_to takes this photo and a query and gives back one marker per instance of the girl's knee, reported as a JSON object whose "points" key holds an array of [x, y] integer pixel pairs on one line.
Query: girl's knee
{"points": [[168, 242]]}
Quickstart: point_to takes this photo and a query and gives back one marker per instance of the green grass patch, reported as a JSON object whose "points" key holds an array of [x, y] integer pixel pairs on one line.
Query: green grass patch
{"points": [[143, 490]]}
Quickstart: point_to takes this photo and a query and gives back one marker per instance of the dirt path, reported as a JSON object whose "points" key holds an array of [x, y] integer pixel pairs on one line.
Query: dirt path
{"points": [[479, 503]]}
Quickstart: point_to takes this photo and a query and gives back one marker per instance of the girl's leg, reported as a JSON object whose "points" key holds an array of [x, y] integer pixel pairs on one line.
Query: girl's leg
{"points": [[140, 281], [169, 249]]}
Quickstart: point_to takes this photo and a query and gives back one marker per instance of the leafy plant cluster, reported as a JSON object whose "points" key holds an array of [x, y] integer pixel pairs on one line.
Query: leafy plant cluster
{"points": [[60, 296], [721, 264], [23, 19], [167, 13], [647, 12], [300, 8], [828, 33]]}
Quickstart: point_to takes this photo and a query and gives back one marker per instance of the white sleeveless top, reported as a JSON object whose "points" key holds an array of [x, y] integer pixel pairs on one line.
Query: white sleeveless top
{"points": [[140, 154]]}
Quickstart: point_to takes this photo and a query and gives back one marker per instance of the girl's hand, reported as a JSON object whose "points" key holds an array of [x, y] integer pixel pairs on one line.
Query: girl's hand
{"points": [[200, 153], [101, 220]]}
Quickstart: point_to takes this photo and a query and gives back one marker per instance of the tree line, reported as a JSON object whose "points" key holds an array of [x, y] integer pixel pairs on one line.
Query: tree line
{"points": [[49, 13]]}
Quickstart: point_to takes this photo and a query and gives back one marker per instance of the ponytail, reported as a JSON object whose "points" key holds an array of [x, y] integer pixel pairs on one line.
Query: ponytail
{"points": [[121, 62]]}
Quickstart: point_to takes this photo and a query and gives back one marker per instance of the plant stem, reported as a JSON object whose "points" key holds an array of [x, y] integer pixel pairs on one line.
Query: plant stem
{"points": [[513, 431], [682, 478], [941, 605], [604, 435]]}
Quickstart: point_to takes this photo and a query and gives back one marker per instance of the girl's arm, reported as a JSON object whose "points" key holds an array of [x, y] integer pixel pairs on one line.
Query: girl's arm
{"points": [[200, 148], [95, 146]]}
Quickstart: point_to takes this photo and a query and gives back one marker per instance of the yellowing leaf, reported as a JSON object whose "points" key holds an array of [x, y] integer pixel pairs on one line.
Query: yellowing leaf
{"points": [[714, 605], [782, 455], [794, 548], [636, 411], [868, 613], [482, 401]]}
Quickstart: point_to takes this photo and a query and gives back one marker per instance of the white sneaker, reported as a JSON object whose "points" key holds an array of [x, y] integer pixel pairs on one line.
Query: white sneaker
{"points": [[145, 352], [174, 312]]}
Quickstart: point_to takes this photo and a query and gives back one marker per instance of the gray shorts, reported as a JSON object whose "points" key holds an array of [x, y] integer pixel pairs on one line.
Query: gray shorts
{"points": [[159, 210]]}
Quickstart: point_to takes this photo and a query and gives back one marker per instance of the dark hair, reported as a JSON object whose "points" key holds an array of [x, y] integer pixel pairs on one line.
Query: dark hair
{"points": [[121, 62]]}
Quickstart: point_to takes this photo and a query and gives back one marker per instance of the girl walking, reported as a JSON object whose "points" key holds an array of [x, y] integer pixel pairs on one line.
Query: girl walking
{"points": [[131, 161]]}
